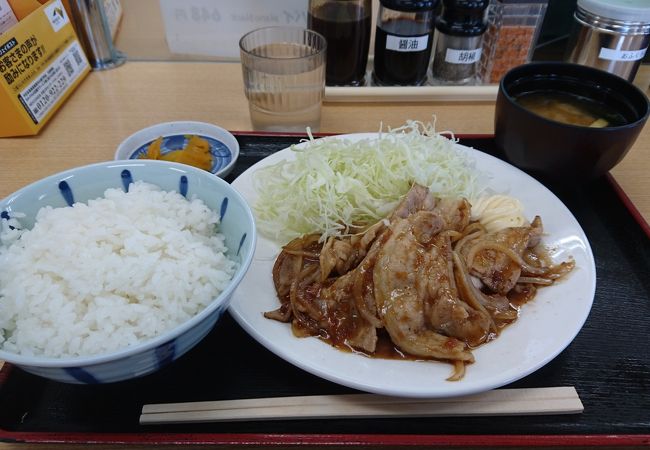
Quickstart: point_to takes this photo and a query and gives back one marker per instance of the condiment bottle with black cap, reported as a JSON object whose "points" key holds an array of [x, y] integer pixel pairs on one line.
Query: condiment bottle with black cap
{"points": [[459, 32], [346, 27], [403, 41]]}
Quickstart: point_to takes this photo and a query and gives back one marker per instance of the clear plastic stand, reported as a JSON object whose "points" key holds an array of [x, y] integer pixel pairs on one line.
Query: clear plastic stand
{"points": [[94, 32]]}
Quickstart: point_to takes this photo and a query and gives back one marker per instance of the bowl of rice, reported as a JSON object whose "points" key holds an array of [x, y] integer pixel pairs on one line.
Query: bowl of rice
{"points": [[113, 270]]}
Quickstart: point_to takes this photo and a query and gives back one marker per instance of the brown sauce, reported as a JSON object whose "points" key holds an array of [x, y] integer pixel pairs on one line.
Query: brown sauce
{"points": [[385, 349], [334, 311], [337, 327], [521, 295]]}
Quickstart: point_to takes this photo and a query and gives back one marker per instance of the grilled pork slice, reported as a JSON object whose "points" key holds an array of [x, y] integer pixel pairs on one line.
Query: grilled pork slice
{"points": [[401, 294], [340, 255], [418, 198], [397, 275], [445, 310], [496, 258]]}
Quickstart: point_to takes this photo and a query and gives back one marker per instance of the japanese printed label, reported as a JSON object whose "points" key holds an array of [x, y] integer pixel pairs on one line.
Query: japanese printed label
{"points": [[57, 16], [41, 63], [43, 93], [7, 46], [407, 43], [462, 56], [214, 27], [18, 60], [612, 54], [7, 17]]}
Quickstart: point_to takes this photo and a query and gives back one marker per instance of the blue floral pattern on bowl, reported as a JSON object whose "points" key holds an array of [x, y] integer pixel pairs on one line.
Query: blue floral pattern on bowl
{"points": [[88, 182]]}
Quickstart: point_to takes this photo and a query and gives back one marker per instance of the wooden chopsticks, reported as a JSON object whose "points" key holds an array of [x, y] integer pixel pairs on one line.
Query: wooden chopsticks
{"points": [[500, 402]]}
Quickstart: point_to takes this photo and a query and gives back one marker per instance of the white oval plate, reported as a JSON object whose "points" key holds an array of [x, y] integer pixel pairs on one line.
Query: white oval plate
{"points": [[546, 325]]}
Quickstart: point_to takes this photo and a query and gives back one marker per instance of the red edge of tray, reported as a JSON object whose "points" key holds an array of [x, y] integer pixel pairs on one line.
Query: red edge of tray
{"points": [[381, 440], [300, 134], [629, 205], [351, 440]]}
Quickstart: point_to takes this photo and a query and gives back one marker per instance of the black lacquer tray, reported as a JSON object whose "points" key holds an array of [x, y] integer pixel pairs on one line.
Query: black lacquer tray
{"points": [[608, 363]]}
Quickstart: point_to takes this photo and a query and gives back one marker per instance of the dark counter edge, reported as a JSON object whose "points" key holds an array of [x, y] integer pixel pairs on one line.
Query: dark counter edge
{"points": [[342, 440], [332, 440]]}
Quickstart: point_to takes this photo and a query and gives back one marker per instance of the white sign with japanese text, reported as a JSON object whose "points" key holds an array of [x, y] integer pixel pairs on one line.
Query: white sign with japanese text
{"points": [[40, 96], [466, 56], [57, 16], [613, 54], [407, 43], [214, 27]]}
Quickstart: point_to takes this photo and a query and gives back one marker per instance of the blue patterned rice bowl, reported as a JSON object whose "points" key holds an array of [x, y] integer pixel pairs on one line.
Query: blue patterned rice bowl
{"points": [[89, 182]]}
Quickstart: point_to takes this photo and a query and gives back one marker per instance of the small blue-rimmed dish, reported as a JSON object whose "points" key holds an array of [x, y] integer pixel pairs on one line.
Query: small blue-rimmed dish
{"points": [[224, 148], [88, 182]]}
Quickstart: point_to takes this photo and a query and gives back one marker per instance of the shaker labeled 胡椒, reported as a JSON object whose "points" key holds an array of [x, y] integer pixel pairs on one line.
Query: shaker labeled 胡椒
{"points": [[403, 42], [458, 37]]}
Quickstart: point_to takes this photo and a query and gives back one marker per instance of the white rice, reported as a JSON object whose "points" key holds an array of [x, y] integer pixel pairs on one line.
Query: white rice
{"points": [[98, 277]]}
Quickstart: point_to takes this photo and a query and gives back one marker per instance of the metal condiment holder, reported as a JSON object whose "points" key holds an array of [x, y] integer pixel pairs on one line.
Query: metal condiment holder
{"points": [[91, 23], [610, 35]]}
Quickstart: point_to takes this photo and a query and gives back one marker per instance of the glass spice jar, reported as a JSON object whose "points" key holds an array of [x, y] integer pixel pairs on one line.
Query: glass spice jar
{"points": [[403, 41], [459, 32], [513, 28]]}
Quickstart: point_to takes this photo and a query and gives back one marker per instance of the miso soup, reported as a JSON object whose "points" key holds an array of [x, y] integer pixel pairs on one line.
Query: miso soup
{"points": [[570, 109]]}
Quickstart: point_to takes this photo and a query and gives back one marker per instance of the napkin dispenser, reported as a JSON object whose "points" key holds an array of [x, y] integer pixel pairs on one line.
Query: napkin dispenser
{"points": [[41, 63]]}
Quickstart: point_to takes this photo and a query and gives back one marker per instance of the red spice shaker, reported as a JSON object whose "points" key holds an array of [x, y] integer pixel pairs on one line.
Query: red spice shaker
{"points": [[513, 28]]}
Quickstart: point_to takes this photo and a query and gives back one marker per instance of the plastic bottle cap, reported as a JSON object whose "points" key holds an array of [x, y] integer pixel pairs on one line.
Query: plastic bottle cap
{"points": [[410, 5], [623, 10], [522, 2]]}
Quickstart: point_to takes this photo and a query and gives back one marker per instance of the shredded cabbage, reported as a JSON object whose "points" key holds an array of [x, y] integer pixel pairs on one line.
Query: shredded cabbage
{"points": [[335, 183]]}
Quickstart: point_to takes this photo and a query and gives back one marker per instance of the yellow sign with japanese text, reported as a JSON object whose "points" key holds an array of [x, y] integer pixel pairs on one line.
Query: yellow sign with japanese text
{"points": [[41, 63]]}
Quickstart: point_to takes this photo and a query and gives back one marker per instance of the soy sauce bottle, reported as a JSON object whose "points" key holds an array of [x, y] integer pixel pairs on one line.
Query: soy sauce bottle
{"points": [[346, 27], [403, 41]]}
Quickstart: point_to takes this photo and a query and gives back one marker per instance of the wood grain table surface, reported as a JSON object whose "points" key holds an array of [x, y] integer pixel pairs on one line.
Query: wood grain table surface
{"points": [[110, 105]]}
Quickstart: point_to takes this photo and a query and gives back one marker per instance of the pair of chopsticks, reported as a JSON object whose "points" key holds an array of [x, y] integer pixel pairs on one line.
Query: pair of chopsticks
{"points": [[500, 402]]}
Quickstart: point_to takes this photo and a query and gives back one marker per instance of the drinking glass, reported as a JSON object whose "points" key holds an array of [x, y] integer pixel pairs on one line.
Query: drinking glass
{"points": [[284, 77]]}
